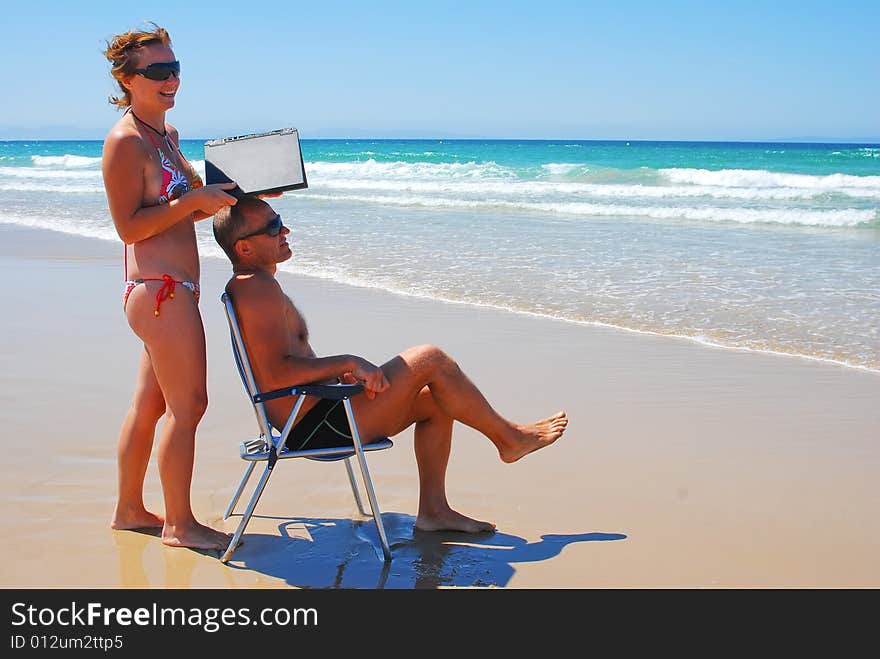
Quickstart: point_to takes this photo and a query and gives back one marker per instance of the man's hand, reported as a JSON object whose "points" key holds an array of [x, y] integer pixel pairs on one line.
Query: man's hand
{"points": [[370, 375]]}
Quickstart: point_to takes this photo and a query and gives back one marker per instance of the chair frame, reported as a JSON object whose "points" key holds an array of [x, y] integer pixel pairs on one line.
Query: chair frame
{"points": [[269, 448]]}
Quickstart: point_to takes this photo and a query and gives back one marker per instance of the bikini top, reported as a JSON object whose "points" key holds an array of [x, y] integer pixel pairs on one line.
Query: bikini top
{"points": [[174, 182]]}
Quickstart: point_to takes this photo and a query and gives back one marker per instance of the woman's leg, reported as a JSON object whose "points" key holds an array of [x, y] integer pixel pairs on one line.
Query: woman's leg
{"points": [[175, 341], [134, 448]]}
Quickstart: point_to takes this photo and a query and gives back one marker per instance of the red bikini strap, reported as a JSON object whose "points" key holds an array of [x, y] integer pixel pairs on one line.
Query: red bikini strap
{"points": [[166, 292], [124, 246]]}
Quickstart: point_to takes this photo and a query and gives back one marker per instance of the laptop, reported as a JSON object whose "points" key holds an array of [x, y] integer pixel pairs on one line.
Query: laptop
{"points": [[259, 163]]}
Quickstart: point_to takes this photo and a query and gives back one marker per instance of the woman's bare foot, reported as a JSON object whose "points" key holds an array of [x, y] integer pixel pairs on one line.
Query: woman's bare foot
{"points": [[195, 536], [449, 520], [530, 437], [137, 518]]}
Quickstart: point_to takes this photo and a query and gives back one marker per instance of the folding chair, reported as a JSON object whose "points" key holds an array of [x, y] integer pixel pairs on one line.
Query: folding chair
{"points": [[269, 448]]}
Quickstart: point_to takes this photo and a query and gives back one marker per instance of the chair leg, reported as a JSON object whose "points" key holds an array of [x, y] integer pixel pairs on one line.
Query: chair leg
{"points": [[246, 517], [239, 489], [368, 484], [354, 487]]}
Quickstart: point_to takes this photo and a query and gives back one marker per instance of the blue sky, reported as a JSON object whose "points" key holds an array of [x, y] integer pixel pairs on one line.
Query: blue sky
{"points": [[529, 70]]}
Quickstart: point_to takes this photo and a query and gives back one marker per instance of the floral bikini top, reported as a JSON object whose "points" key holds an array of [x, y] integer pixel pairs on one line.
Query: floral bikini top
{"points": [[174, 182]]}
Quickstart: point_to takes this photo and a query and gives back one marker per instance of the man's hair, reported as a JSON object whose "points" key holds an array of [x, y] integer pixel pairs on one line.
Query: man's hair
{"points": [[229, 220]]}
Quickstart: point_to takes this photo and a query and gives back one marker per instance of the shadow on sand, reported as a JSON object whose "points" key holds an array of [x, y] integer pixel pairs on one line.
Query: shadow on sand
{"points": [[314, 552]]}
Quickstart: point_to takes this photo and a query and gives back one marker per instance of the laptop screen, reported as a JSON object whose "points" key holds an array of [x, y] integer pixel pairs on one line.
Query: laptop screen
{"points": [[258, 163]]}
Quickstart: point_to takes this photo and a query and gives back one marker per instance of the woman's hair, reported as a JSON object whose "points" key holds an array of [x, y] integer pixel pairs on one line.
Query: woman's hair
{"points": [[122, 51]]}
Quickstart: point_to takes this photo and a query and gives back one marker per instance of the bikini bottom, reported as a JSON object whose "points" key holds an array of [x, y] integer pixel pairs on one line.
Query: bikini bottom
{"points": [[165, 292]]}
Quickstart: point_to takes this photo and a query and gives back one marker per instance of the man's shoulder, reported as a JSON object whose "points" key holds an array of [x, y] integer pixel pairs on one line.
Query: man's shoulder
{"points": [[253, 289]]}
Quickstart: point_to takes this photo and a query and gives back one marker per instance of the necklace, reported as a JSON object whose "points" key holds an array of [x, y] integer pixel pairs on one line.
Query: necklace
{"points": [[163, 134]]}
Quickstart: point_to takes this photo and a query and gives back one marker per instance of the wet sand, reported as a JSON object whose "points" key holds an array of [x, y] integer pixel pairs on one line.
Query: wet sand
{"points": [[683, 465]]}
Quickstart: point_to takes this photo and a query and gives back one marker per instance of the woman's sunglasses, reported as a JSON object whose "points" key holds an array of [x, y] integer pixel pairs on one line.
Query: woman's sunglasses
{"points": [[160, 70], [272, 229]]}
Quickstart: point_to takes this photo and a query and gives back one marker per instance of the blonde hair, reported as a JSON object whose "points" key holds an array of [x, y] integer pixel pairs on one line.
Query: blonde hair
{"points": [[122, 51]]}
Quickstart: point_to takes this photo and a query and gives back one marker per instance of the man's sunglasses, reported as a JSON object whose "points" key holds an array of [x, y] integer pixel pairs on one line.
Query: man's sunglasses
{"points": [[272, 229], [160, 70]]}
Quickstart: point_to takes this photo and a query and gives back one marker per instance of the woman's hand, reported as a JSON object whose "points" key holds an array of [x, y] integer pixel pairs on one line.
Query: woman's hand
{"points": [[211, 198]]}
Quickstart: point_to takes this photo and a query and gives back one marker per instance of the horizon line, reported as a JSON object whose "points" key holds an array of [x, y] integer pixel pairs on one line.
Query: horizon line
{"points": [[783, 140]]}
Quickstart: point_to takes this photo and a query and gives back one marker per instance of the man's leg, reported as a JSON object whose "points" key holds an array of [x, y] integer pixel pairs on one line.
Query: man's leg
{"points": [[456, 396], [433, 442]]}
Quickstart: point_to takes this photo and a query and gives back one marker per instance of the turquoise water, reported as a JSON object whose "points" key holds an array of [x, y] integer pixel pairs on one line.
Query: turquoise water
{"points": [[761, 246]]}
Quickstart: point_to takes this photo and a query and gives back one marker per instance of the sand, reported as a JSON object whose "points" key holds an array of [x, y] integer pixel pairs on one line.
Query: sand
{"points": [[683, 466]]}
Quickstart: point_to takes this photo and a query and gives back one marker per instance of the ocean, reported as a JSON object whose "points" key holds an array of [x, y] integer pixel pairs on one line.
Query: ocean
{"points": [[770, 247]]}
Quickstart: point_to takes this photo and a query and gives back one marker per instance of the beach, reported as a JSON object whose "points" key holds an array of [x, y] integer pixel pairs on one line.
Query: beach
{"points": [[683, 466]]}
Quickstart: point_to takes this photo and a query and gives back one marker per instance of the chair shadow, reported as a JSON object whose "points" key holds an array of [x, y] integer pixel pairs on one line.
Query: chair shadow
{"points": [[317, 552]]}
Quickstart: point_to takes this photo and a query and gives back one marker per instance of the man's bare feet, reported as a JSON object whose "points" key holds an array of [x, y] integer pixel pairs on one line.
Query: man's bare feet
{"points": [[195, 536], [449, 520], [530, 437], [138, 518]]}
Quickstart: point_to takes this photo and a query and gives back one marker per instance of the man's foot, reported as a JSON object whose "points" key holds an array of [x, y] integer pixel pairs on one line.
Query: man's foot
{"points": [[530, 437], [130, 520], [450, 520], [195, 536]]}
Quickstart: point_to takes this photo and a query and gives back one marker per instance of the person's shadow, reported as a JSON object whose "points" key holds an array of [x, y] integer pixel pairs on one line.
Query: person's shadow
{"points": [[316, 552]]}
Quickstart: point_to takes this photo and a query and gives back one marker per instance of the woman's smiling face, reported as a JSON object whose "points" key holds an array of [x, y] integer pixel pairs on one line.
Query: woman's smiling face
{"points": [[154, 93]]}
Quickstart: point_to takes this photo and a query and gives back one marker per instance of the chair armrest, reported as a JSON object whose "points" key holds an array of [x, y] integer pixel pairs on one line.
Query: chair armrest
{"points": [[331, 391]]}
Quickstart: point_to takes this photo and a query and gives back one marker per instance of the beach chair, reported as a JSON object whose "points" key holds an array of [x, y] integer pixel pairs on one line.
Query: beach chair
{"points": [[269, 447]]}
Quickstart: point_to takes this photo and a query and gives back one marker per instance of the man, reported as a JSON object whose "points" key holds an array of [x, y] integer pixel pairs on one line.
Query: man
{"points": [[421, 386]]}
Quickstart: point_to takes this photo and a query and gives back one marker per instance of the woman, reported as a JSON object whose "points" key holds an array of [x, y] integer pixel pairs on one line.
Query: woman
{"points": [[155, 198]]}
